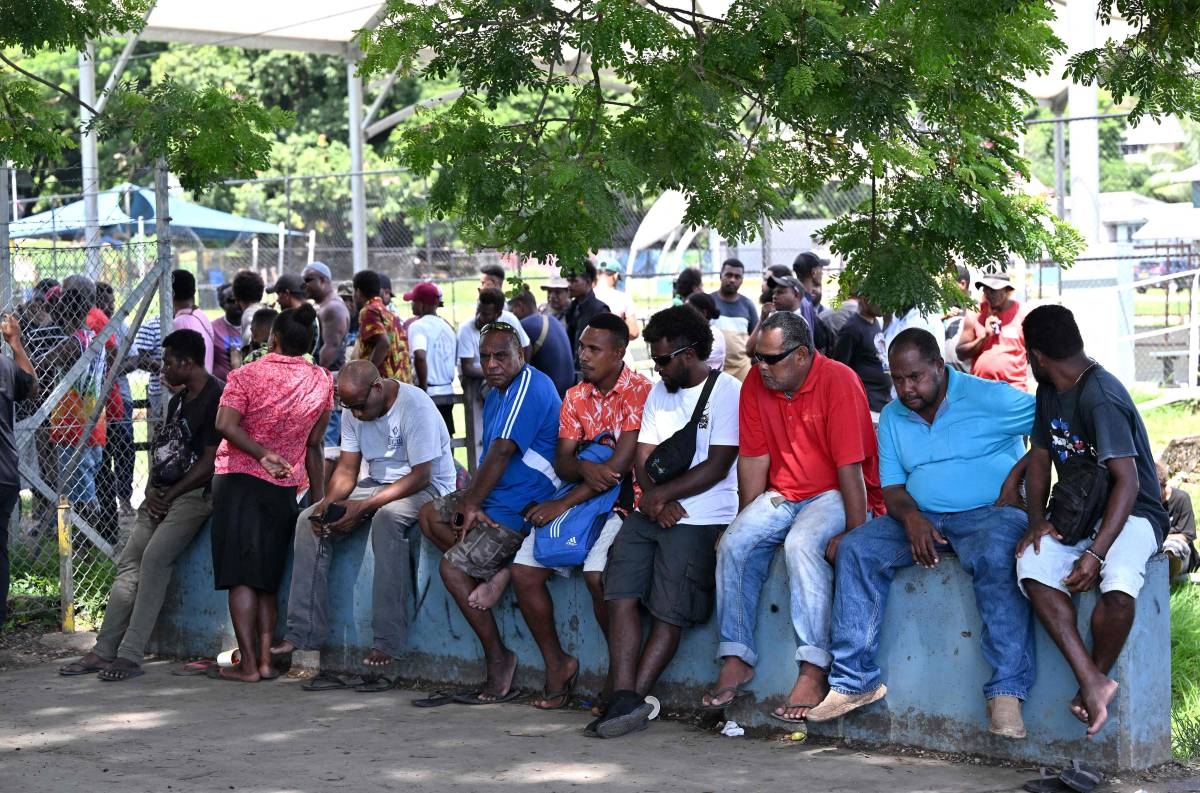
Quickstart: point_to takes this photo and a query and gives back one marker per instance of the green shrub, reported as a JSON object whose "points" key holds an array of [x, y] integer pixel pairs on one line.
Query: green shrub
{"points": [[1185, 672]]}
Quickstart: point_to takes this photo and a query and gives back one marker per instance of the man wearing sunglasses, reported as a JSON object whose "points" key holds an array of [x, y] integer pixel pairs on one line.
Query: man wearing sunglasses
{"points": [[808, 473]]}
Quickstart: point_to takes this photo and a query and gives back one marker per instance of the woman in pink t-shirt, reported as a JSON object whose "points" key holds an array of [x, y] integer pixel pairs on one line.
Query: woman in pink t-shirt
{"points": [[273, 414]]}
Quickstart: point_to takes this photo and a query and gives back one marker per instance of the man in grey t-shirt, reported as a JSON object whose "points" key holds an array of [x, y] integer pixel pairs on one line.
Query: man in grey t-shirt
{"points": [[396, 429]]}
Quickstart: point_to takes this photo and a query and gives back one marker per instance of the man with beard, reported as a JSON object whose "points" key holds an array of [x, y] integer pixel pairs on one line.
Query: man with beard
{"points": [[808, 473], [942, 423], [664, 556], [1083, 410], [738, 317]]}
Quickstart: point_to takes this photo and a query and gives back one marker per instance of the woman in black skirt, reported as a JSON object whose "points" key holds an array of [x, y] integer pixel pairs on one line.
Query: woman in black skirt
{"points": [[273, 414]]}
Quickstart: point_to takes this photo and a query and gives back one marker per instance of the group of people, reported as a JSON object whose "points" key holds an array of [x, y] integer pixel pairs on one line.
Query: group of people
{"points": [[671, 496]]}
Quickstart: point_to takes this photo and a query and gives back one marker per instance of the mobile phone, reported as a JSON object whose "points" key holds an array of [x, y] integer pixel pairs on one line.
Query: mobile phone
{"points": [[333, 513]]}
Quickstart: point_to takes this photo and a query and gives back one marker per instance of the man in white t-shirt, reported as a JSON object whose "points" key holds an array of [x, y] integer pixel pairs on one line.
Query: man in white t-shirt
{"points": [[489, 309], [432, 343], [393, 427], [618, 302], [665, 554]]}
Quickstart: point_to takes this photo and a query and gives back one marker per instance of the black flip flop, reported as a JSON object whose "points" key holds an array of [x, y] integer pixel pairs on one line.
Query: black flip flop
{"points": [[474, 697], [436, 699], [194, 668], [1048, 782], [76, 668], [1081, 777], [374, 684], [565, 694], [120, 674], [713, 707], [789, 720], [325, 681]]}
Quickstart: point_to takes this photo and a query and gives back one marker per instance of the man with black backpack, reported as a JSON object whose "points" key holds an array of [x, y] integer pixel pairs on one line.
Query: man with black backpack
{"points": [[1104, 519], [177, 503]]}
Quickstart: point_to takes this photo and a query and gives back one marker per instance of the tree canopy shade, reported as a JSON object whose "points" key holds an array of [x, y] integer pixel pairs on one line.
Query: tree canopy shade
{"points": [[743, 109], [204, 133]]}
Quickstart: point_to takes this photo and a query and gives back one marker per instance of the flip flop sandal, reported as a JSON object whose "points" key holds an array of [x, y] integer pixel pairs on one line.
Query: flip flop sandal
{"points": [[1081, 777], [789, 719], [76, 668], [737, 691], [1048, 782], [118, 674], [564, 695], [325, 681], [376, 683], [474, 697], [436, 699], [194, 668]]}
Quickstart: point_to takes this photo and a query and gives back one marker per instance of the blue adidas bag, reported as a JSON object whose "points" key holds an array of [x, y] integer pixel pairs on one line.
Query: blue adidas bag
{"points": [[566, 540]]}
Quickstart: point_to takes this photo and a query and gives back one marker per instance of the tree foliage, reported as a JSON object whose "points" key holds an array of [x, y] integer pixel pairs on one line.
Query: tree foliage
{"points": [[744, 112]]}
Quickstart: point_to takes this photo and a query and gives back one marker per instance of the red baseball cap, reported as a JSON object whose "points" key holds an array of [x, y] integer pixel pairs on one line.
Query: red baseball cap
{"points": [[426, 293]]}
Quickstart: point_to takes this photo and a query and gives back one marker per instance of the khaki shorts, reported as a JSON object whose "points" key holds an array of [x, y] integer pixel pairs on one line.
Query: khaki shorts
{"points": [[485, 550]]}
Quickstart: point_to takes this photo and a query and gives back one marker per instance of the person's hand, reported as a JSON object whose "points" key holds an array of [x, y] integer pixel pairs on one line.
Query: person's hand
{"points": [[10, 329], [832, 548], [598, 476], [318, 526], [1084, 575], [923, 540], [157, 503], [275, 465], [651, 503], [467, 516], [993, 326], [546, 512], [768, 308], [671, 513], [1010, 495], [356, 513], [1034, 534]]}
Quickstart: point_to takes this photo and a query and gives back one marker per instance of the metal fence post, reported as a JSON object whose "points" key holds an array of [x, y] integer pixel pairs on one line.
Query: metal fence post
{"points": [[1194, 333], [162, 231], [6, 284]]}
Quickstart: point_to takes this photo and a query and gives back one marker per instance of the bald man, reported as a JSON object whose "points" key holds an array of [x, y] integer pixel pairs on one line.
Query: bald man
{"points": [[396, 430]]}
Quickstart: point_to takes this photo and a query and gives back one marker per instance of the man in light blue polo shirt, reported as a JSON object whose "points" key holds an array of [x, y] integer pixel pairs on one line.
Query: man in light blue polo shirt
{"points": [[947, 446]]}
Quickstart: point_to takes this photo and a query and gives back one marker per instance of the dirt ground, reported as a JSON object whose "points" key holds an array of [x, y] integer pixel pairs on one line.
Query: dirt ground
{"points": [[162, 732]]}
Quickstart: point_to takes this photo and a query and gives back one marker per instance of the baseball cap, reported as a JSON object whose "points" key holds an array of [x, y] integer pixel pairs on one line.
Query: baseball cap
{"points": [[385, 282], [785, 280], [321, 268], [995, 281], [424, 292], [555, 282], [608, 265], [288, 282]]}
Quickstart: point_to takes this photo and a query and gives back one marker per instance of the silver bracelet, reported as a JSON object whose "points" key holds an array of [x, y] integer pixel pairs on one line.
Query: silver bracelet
{"points": [[1094, 555]]}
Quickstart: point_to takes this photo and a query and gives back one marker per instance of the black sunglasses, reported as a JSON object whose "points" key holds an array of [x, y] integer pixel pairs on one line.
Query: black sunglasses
{"points": [[500, 326], [663, 360], [771, 360], [339, 404]]}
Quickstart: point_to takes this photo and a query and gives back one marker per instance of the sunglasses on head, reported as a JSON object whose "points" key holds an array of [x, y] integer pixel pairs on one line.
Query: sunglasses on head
{"points": [[501, 326], [663, 360], [771, 360]]}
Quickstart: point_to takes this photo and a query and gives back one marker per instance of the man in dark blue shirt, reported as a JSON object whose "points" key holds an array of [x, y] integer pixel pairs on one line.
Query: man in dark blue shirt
{"points": [[549, 347]]}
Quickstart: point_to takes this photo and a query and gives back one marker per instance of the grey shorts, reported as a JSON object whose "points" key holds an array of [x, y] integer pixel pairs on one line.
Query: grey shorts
{"points": [[485, 550], [671, 571]]}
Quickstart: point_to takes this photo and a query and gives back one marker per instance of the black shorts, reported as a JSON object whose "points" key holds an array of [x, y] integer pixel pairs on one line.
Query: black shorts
{"points": [[671, 571]]}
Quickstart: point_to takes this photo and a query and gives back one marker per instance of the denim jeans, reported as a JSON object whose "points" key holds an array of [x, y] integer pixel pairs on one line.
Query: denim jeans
{"points": [[985, 540], [744, 559], [392, 590], [80, 485]]}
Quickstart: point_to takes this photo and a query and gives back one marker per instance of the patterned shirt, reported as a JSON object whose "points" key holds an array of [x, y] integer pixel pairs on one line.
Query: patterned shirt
{"points": [[373, 321], [70, 415], [280, 399], [587, 411]]}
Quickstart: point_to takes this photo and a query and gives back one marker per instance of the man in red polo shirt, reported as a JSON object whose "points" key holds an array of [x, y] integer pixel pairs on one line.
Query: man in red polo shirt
{"points": [[993, 340], [808, 473], [610, 399]]}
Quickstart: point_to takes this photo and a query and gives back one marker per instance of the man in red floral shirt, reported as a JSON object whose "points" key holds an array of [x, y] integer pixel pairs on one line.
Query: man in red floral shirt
{"points": [[381, 336]]}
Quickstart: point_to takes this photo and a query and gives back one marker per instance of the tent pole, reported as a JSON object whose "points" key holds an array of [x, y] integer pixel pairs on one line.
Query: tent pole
{"points": [[358, 198], [89, 159]]}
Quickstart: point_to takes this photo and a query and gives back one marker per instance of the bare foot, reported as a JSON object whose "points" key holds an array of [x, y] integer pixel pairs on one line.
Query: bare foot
{"points": [[808, 692], [283, 648], [735, 673], [237, 673], [559, 681], [1077, 709], [377, 658], [500, 673], [267, 672], [488, 593], [1096, 702]]}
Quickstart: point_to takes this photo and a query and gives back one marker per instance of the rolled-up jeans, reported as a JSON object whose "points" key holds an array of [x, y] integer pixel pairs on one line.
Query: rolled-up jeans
{"points": [[392, 590], [804, 528], [985, 540]]}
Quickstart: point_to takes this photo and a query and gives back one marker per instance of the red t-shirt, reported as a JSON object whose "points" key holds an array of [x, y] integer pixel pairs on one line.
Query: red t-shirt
{"points": [[1002, 356], [824, 426]]}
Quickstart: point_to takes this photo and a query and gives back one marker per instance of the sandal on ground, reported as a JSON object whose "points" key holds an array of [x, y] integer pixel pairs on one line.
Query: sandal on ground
{"points": [[436, 699], [737, 691], [476, 697], [791, 719], [1081, 777], [194, 668], [563, 697], [76, 668], [373, 684], [325, 681], [116, 672], [1048, 782]]}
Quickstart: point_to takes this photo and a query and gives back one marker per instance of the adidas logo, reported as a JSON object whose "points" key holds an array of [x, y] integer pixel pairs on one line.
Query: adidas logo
{"points": [[572, 542]]}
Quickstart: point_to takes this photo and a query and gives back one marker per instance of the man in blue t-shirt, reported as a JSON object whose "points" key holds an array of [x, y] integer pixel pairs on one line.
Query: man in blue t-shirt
{"points": [[480, 529]]}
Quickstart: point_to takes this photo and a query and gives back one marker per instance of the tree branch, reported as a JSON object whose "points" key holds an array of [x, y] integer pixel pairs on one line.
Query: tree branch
{"points": [[50, 85]]}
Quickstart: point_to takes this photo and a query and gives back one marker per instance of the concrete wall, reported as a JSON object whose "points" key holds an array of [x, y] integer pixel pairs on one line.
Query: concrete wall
{"points": [[930, 655]]}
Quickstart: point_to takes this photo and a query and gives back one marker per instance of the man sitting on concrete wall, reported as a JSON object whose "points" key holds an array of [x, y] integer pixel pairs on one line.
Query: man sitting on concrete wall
{"points": [[1085, 412], [396, 430], [609, 400], [808, 472], [665, 556], [479, 529], [177, 503], [943, 423]]}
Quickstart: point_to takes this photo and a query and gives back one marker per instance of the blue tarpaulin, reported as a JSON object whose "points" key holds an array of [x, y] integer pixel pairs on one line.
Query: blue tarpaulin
{"points": [[208, 224]]}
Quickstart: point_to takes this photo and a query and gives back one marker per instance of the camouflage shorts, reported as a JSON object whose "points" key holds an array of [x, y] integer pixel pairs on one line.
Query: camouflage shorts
{"points": [[485, 551]]}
